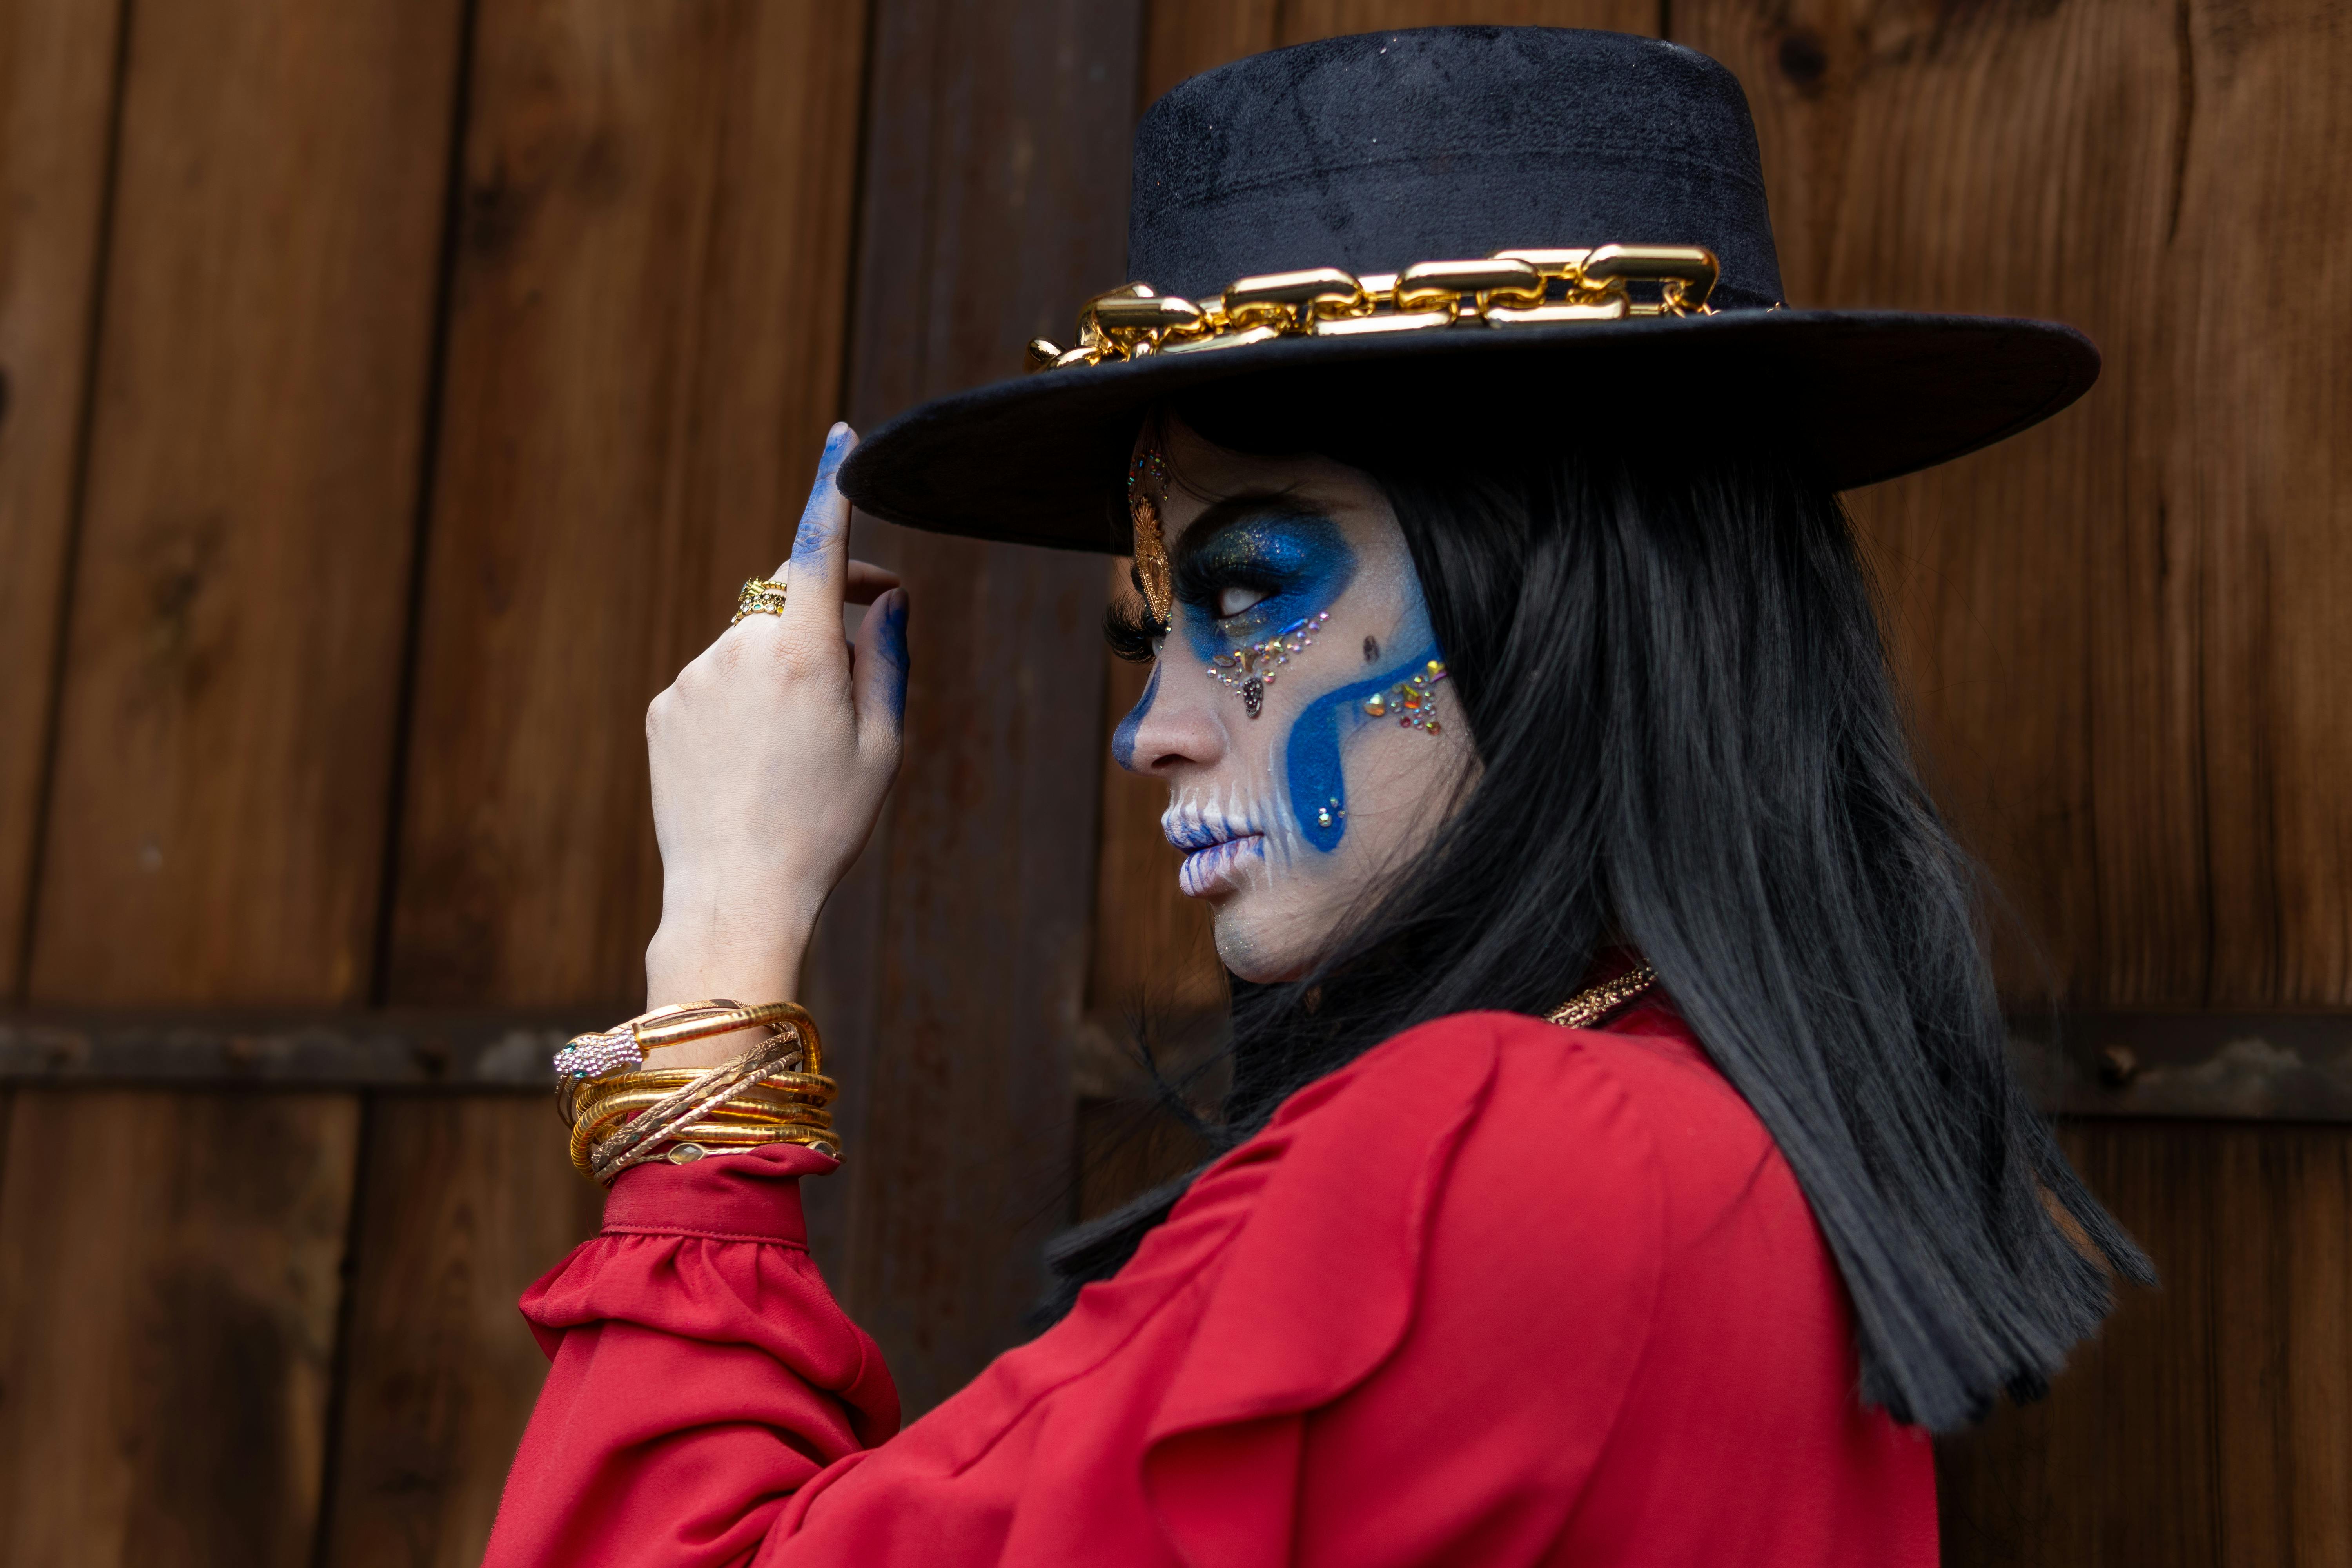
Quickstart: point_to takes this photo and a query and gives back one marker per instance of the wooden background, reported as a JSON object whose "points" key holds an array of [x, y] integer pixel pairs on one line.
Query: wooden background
{"points": [[395, 391]]}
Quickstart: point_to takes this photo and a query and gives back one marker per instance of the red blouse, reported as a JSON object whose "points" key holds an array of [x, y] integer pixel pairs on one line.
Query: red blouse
{"points": [[1496, 1293]]}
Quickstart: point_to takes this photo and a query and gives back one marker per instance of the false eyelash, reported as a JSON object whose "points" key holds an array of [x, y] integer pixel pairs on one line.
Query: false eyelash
{"points": [[1132, 633]]}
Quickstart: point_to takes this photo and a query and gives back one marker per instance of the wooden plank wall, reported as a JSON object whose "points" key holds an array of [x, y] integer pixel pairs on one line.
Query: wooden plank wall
{"points": [[991, 205], [396, 389]]}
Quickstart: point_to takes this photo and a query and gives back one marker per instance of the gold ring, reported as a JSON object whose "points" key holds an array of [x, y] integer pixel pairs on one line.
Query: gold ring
{"points": [[761, 597]]}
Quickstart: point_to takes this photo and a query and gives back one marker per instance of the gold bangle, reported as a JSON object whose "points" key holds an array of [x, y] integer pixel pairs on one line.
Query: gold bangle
{"points": [[644, 1088], [592, 1131], [774, 1015], [689, 1150], [610, 1113], [603, 1051], [595, 1098], [635, 1137], [703, 1135], [592, 1059], [687, 1153], [747, 1137]]}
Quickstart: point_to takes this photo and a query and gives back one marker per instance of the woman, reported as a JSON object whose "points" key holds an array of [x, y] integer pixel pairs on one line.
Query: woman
{"points": [[1624, 1164]]}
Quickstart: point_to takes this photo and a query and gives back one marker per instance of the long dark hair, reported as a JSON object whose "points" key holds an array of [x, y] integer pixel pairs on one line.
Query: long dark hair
{"points": [[1690, 744]]}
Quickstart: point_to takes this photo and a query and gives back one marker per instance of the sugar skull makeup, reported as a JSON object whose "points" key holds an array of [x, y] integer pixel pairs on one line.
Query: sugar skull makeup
{"points": [[1294, 712]]}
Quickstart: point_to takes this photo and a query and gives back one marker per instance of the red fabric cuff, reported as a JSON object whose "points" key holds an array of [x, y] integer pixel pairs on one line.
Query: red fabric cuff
{"points": [[751, 1196]]}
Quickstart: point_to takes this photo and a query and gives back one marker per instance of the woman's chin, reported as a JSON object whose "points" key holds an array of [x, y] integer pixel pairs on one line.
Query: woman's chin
{"points": [[1253, 941]]}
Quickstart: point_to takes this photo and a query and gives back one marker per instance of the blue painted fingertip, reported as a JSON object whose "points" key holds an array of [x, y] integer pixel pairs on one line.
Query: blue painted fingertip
{"points": [[817, 527], [891, 643]]}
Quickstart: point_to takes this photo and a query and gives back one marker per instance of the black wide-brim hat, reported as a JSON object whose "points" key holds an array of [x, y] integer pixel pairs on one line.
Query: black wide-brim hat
{"points": [[1619, 168]]}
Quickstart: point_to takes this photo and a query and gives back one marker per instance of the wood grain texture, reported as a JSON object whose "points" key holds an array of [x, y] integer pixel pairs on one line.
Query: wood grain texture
{"points": [[225, 735], [2125, 630], [644, 351], [169, 1276], [1184, 37], [56, 103], [951, 968], [464, 1203], [1305, 19], [2212, 1423]]}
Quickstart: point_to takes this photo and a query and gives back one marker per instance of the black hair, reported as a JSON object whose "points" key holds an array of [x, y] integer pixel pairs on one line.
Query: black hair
{"points": [[1690, 744]]}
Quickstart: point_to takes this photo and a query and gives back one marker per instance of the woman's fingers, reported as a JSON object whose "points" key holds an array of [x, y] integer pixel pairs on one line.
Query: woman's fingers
{"points": [[878, 664], [868, 581], [818, 572]]}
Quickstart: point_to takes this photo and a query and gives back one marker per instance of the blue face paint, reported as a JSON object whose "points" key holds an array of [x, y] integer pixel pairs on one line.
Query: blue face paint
{"points": [[815, 531], [1318, 786], [1122, 739], [1311, 759], [1302, 563]]}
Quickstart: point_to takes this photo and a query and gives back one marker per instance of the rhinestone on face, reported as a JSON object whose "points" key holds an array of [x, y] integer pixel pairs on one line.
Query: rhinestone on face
{"points": [[1250, 671]]}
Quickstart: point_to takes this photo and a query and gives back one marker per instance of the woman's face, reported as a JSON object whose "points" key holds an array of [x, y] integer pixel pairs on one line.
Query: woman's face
{"points": [[1297, 706]]}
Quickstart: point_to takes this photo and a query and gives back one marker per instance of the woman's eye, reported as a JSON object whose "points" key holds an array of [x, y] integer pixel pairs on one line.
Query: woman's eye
{"points": [[1233, 601]]}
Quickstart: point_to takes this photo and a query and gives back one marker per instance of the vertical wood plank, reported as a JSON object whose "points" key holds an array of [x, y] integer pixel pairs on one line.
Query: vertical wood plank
{"points": [[56, 103], [995, 199], [1185, 37], [464, 1202], [645, 351], [2209, 1423], [1305, 19], [169, 1276], [227, 721], [2125, 629]]}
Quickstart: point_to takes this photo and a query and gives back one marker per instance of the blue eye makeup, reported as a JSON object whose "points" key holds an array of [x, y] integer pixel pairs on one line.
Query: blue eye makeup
{"points": [[1300, 562]]}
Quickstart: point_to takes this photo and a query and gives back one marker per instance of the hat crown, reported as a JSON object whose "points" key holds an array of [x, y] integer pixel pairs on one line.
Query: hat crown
{"points": [[1375, 152]]}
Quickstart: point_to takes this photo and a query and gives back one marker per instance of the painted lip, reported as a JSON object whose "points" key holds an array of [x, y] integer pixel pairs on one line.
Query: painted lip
{"points": [[1189, 836], [1215, 865]]}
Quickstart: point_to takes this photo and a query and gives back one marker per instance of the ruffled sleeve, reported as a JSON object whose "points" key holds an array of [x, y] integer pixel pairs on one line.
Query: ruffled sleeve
{"points": [[702, 1373]]}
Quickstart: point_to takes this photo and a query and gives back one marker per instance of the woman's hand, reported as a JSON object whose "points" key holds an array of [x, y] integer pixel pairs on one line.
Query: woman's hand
{"points": [[771, 754]]}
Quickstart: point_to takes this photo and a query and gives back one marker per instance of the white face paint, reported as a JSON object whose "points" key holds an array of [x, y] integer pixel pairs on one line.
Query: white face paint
{"points": [[1292, 819]]}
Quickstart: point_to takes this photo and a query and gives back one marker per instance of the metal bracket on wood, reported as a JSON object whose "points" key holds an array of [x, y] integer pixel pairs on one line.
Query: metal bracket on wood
{"points": [[2231, 1066], [400, 1050]]}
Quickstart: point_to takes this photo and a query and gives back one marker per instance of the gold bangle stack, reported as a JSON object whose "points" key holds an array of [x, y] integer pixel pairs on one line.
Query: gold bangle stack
{"points": [[775, 1092]]}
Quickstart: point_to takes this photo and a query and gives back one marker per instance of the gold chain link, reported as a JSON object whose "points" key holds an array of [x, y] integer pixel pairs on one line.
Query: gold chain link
{"points": [[1508, 289]]}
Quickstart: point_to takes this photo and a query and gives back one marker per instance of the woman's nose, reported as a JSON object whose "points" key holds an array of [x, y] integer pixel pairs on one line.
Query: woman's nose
{"points": [[1168, 728]]}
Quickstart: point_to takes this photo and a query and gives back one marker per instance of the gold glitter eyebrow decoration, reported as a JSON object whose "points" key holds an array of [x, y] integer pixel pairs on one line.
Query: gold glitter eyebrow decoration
{"points": [[1151, 569]]}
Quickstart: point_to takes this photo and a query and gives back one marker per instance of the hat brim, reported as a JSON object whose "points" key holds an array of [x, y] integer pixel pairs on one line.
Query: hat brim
{"points": [[1864, 396]]}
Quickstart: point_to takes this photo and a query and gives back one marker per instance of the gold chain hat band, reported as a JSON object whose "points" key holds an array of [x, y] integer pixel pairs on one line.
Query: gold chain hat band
{"points": [[1508, 289]]}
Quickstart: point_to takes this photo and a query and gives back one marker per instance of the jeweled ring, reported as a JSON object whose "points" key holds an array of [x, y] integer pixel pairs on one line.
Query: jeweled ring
{"points": [[760, 597]]}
